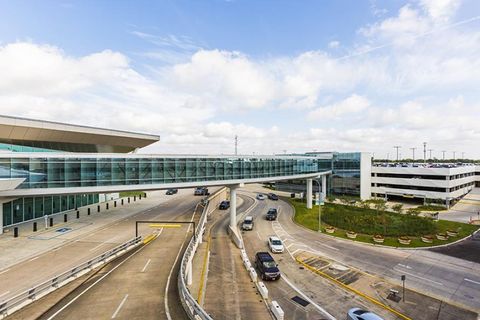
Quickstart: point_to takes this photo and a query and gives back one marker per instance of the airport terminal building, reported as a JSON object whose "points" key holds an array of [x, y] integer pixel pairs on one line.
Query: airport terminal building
{"points": [[47, 168]]}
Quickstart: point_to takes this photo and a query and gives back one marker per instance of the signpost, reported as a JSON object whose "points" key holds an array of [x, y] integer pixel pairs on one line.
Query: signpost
{"points": [[403, 280]]}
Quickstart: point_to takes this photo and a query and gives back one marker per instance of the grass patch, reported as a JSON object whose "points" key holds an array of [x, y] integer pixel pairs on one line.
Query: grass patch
{"points": [[131, 193], [309, 219]]}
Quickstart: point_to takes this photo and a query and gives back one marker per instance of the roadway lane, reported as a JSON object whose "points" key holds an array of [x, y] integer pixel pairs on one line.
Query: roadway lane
{"points": [[22, 276], [230, 293], [445, 277], [134, 287], [319, 293]]}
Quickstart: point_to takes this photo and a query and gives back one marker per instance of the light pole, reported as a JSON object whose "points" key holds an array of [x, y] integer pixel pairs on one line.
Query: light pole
{"points": [[319, 208], [397, 147], [413, 150]]}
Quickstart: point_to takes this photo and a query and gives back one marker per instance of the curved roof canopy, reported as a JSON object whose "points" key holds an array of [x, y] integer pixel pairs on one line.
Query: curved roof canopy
{"points": [[68, 137]]}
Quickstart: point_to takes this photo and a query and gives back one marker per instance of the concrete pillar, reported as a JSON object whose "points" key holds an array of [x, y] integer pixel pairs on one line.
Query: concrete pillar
{"points": [[309, 193], [233, 207], [1, 217], [324, 187]]}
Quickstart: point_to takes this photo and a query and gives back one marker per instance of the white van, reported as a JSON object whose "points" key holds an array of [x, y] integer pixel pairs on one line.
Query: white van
{"points": [[247, 223]]}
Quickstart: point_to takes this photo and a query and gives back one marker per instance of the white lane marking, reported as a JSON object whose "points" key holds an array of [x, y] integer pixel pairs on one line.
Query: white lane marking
{"points": [[119, 306], [1, 272], [33, 259], [258, 235], [96, 247], [93, 284], [146, 265], [419, 277], [472, 281], [304, 296], [326, 245], [5, 293], [405, 266]]}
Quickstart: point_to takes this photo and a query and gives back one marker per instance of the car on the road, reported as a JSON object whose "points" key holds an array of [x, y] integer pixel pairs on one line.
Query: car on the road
{"points": [[261, 196], [275, 244], [360, 314], [272, 196], [171, 191], [247, 223], [224, 205], [266, 266], [201, 191], [271, 214]]}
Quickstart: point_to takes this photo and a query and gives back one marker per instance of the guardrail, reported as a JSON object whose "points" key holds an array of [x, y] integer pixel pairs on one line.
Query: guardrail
{"points": [[191, 306], [19, 301]]}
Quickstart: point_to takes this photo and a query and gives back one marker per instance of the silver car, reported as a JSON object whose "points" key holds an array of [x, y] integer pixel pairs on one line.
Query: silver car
{"points": [[247, 223]]}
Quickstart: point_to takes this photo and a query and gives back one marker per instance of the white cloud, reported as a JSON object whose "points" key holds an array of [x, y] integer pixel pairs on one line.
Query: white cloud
{"points": [[440, 10], [334, 44], [348, 106]]}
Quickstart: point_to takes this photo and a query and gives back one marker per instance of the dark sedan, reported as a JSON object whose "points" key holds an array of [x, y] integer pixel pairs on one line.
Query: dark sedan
{"points": [[272, 196], [171, 191], [224, 205]]}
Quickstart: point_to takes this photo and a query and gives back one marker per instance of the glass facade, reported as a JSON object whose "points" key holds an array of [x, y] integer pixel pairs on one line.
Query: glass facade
{"points": [[27, 208], [344, 180], [66, 172]]}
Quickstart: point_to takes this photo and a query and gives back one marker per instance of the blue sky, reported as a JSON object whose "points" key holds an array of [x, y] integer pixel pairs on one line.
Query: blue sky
{"points": [[283, 75]]}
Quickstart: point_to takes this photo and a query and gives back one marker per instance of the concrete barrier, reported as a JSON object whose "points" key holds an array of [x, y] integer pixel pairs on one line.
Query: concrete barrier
{"points": [[247, 264], [253, 274], [236, 238], [262, 289], [277, 310]]}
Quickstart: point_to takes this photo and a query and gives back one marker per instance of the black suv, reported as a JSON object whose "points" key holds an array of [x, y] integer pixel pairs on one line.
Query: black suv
{"points": [[272, 196], [201, 191], [271, 214], [224, 205], [267, 267], [171, 191]]}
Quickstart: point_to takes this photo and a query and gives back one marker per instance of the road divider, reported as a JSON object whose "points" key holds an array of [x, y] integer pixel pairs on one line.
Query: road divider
{"points": [[277, 310]]}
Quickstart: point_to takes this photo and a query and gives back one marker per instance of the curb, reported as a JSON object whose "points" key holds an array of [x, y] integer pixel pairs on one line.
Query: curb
{"points": [[379, 245]]}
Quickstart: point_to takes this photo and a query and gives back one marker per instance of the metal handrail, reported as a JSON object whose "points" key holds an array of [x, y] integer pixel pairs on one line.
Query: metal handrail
{"points": [[45, 287], [191, 306]]}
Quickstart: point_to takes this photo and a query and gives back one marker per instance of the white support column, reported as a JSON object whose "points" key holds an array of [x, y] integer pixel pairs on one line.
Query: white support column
{"points": [[309, 193], [1, 217], [324, 187], [233, 207]]}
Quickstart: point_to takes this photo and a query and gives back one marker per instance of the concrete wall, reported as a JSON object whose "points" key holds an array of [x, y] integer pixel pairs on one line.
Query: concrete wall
{"points": [[365, 175]]}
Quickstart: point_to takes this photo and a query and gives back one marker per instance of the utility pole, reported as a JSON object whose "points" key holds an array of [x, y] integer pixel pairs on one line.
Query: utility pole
{"points": [[444, 154], [430, 150], [236, 145], [397, 147], [424, 152], [413, 150]]}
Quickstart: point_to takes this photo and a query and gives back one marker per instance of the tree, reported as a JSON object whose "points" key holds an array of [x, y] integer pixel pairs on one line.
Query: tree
{"points": [[380, 206]]}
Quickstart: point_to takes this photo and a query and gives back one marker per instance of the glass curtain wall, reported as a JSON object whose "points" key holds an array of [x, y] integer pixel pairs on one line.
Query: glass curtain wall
{"points": [[84, 172]]}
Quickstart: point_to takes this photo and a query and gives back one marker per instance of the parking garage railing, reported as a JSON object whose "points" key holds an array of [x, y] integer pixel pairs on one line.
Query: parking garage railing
{"points": [[28, 296]]}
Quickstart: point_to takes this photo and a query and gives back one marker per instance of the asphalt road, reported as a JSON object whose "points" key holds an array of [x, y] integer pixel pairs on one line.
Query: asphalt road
{"points": [[44, 266], [133, 287], [426, 271], [230, 293], [323, 298]]}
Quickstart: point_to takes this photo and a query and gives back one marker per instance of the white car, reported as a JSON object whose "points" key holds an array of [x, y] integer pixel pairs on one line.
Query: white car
{"points": [[359, 314], [275, 244], [261, 196]]}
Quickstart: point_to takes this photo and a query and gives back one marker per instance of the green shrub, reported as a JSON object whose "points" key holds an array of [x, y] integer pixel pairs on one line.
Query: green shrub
{"points": [[369, 221]]}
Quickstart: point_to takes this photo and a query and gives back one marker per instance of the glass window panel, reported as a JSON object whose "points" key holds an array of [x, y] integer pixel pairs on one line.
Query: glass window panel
{"points": [[38, 207], [56, 173], [47, 204], [17, 210], [73, 173], [56, 204], [28, 207], [7, 213]]}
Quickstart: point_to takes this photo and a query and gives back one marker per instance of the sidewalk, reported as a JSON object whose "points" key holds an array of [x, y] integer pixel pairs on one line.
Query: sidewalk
{"points": [[30, 244]]}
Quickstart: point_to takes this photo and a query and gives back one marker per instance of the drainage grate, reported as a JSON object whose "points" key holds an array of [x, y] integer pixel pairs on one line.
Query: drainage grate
{"points": [[301, 301]]}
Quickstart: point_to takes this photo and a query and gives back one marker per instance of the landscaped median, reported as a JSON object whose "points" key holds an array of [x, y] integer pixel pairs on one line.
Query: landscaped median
{"points": [[380, 227]]}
